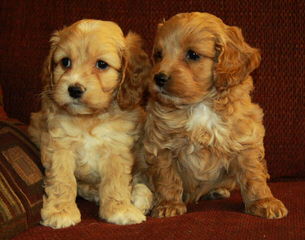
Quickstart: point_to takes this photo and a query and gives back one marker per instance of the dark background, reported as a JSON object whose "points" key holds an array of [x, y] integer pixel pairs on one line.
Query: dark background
{"points": [[276, 27]]}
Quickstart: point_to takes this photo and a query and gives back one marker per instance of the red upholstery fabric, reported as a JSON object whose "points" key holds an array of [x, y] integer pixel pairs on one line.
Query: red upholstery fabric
{"points": [[208, 220]]}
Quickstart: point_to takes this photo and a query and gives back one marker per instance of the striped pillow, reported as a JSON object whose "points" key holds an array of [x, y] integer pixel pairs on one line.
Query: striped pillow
{"points": [[20, 181]]}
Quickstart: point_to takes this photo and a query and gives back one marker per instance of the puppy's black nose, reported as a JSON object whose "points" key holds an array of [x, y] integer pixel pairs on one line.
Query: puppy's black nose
{"points": [[75, 91], [161, 79]]}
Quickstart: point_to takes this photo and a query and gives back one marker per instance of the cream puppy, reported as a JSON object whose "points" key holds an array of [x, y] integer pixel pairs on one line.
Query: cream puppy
{"points": [[90, 122]]}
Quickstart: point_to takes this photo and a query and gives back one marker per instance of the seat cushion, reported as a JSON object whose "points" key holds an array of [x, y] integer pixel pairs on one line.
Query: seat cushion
{"points": [[209, 219]]}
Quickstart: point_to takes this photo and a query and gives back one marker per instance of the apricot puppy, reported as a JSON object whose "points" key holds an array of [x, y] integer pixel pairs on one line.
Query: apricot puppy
{"points": [[203, 135], [90, 122]]}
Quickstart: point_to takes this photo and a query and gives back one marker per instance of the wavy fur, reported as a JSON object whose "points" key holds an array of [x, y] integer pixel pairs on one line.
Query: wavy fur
{"points": [[87, 144], [203, 135]]}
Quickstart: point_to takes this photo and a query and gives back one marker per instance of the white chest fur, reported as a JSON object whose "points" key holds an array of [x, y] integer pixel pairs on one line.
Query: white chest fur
{"points": [[94, 141], [203, 118], [209, 134]]}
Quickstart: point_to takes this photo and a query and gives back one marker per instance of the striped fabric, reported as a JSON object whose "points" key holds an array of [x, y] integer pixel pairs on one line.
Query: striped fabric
{"points": [[20, 182], [10, 204]]}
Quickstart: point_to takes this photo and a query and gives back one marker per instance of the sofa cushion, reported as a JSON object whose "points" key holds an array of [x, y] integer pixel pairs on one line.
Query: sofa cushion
{"points": [[20, 181], [207, 220]]}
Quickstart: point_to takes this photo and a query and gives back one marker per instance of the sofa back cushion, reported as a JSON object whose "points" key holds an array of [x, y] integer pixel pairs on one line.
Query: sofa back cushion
{"points": [[276, 27]]}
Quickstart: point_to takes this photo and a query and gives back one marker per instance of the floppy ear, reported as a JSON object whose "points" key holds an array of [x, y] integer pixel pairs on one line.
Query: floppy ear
{"points": [[135, 72], [47, 70], [236, 59]]}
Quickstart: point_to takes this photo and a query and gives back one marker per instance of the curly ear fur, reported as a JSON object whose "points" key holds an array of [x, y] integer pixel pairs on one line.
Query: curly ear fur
{"points": [[236, 59], [136, 69], [47, 70]]}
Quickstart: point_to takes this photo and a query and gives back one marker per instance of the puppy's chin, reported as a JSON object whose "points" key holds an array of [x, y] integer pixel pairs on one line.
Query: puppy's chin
{"points": [[81, 109], [166, 98]]}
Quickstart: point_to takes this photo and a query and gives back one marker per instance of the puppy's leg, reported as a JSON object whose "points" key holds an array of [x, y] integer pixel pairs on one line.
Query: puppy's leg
{"points": [[59, 207], [115, 191], [257, 196], [168, 187]]}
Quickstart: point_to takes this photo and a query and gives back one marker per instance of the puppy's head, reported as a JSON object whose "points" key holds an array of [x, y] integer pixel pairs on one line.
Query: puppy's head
{"points": [[90, 66], [195, 53]]}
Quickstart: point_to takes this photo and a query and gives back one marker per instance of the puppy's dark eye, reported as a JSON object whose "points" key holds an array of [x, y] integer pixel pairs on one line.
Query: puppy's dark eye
{"points": [[66, 62], [192, 55], [101, 64], [158, 56]]}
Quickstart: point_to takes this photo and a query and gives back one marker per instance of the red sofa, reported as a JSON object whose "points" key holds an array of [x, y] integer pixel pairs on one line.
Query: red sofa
{"points": [[276, 27]]}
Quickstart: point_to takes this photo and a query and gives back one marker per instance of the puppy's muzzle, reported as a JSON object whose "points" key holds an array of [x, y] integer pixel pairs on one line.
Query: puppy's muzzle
{"points": [[76, 91], [161, 79]]}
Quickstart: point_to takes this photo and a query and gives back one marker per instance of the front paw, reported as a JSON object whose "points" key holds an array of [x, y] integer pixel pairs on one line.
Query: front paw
{"points": [[270, 208], [124, 215], [60, 218], [169, 209]]}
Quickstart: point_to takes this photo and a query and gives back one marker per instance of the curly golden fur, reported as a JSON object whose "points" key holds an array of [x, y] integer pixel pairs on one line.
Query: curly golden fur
{"points": [[203, 135], [90, 122]]}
